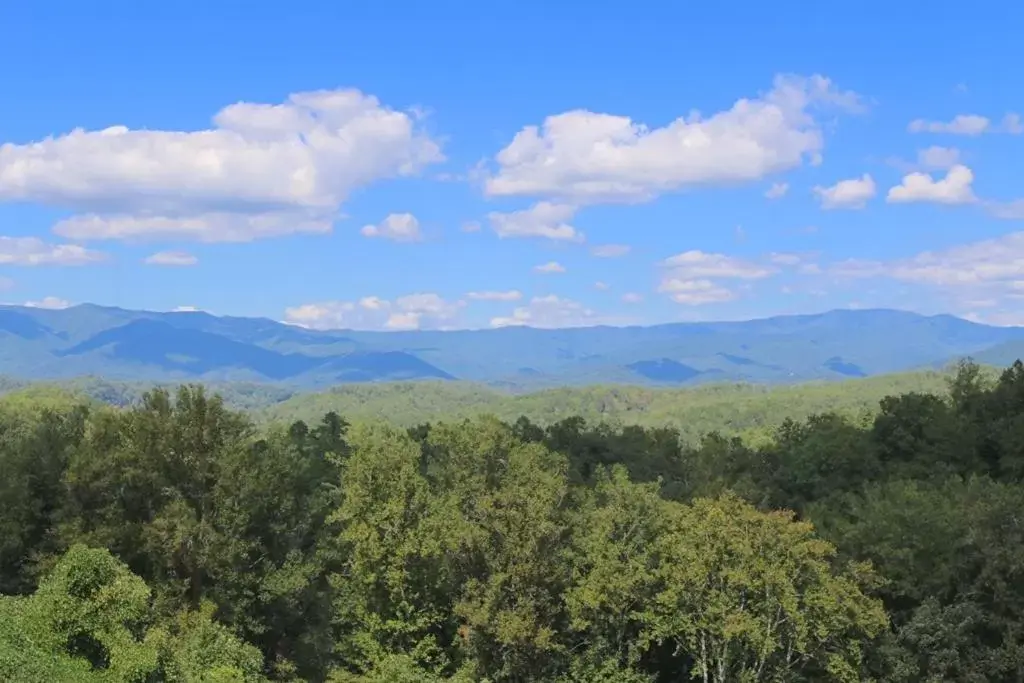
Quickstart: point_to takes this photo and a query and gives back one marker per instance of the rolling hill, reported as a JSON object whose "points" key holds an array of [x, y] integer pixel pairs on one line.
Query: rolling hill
{"points": [[729, 408], [124, 345]]}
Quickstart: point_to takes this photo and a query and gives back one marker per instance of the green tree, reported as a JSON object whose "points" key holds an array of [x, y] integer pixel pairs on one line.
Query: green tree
{"points": [[201, 508], [391, 590], [614, 566], [91, 620], [508, 501], [81, 624], [951, 552], [753, 596]]}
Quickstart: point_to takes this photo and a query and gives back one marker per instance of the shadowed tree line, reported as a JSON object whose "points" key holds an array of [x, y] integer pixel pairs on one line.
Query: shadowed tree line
{"points": [[175, 540]]}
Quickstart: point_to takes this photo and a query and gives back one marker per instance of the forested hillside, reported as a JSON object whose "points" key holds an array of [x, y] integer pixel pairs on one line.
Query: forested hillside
{"points": [[177, 540], [727, 408], [751, 410]]}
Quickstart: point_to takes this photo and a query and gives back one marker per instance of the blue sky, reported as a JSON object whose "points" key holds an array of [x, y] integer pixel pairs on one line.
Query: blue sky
{"points": [[326, 166]]}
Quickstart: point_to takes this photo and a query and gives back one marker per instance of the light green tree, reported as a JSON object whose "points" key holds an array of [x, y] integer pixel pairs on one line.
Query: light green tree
{"points": [[91, 621], [754, 596], [614, 574], [392, 571]]}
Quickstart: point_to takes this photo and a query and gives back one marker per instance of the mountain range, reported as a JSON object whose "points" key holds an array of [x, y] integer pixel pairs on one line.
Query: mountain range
{"points": [[118, 344]]}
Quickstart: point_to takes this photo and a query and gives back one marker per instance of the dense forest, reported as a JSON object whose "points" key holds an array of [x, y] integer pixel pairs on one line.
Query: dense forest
{"points": [[733, 409], [179, 540]]}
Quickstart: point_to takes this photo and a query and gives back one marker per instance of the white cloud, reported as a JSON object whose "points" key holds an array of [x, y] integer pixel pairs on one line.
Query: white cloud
{"points": [[554, 312], [471, 226], [938, 158], [50, 302], [854, 268], [632, 298], [689, 277], [1012, 124], [955, 188], [414, 311], [696, 264], [586, 157], [543, 219], [610, 250], [997, 318], [847, 194], [963, 124], [510, 295], [550, 267], [185, 309], [969, 124], [602, 286], [1012, 211], [171, 258], [987, 261], [398, 227], [988, 273], [219, 226], [261, 170], [785, 259], [695, 292], [32, 251], [777, 190]]}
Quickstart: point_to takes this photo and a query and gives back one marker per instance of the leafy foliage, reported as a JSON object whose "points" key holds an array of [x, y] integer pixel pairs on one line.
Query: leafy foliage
{"points": [[176, 539]]}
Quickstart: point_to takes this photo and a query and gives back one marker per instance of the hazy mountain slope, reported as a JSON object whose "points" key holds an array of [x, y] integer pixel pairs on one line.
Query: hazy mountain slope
{"points": [[1002, 355], [144, 345]]}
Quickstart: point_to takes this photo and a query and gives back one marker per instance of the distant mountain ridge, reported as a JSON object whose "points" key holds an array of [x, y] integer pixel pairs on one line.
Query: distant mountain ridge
{"points": [[180, 346]]}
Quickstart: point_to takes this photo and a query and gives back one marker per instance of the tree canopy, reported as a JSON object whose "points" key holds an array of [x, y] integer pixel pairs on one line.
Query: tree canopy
{"points": [[176, 539]]}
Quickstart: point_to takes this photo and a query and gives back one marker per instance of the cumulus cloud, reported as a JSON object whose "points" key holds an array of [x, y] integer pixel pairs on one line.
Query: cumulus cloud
{"points": [[32, 251], [938, 158], [185, 309], [1012, 124], [585, 157], [1012, 211], [552, 311], [510, 295], [215, 226], [695, 292], [411, 312], [777, 190], [550, 267], [632, 298], [171, 258], [610, 250], [847, 194], [969, 124], [696, 264], [398, 227], [471, 226], [786, 259], [50, 302], [986, 261], [962, 124], [602, 286], [261, 170], [955, 188], [690, 278], [543, 219], [987, 273]]}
